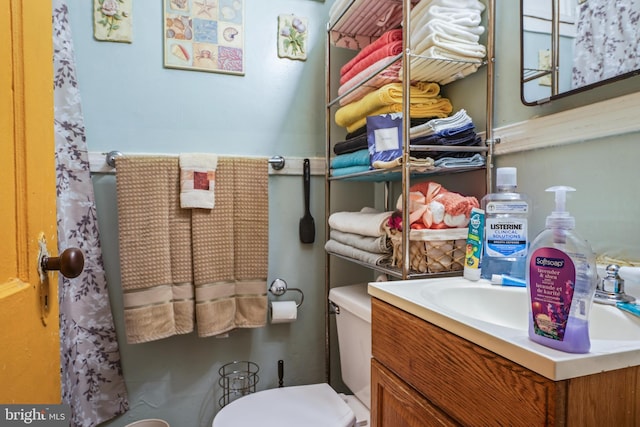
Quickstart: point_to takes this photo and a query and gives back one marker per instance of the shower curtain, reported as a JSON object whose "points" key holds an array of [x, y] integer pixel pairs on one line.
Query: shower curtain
{"points": [[606, 43], [91, 374]]}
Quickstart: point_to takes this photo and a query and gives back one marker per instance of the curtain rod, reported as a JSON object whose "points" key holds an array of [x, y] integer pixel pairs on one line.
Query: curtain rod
{"points": [[98, 163]]}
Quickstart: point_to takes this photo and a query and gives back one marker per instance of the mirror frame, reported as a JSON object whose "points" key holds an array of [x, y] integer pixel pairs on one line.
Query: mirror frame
{"points": [[554, 45]]}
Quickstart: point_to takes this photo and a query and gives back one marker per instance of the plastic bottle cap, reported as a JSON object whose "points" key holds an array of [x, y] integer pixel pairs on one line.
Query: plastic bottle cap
{"points": [[560, 218], [506, 177]]}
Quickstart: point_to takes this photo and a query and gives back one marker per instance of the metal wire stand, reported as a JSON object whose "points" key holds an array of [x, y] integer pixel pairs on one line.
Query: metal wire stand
{"points": [[237, 379]]}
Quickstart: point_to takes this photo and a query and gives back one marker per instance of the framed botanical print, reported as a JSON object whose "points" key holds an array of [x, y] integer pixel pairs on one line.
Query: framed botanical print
{"points": [[204, 35]]}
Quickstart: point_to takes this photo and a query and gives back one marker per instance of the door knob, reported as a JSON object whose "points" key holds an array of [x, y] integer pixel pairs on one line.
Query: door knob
{"points": [[70, 263]]}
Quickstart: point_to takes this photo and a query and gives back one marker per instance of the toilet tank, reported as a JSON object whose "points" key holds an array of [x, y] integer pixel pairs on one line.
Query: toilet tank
{"points": [[354, 338]]}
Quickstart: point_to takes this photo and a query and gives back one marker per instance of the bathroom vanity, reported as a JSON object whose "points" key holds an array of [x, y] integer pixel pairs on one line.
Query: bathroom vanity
{"points": [[425, 375]]}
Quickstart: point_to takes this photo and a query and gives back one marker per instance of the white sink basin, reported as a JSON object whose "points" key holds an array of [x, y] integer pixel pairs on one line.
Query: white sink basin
{"points": [[496, 318], [507, 306]]}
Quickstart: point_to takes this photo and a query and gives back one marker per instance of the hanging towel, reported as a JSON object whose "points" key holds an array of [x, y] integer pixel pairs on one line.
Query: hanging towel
{"points": [[230, 249], [213, 258], [197, 180], [251, 233], [155, 249]]}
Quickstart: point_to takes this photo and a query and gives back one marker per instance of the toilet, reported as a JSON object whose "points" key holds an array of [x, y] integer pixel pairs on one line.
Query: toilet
{"points": [[318, 405]]}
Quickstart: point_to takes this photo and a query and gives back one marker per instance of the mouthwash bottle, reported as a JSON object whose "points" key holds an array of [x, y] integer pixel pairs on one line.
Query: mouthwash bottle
{"points": [[506, 233], [561, 282]]}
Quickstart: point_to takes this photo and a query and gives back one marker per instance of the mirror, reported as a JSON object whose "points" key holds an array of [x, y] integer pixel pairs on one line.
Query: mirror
{"points": [[568, 46]]}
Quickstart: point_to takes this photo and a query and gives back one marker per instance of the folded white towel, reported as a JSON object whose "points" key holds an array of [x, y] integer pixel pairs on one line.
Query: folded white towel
{"points": [[459, 32], [367, 222], [197, 180], [453, 45], [455, 15]]}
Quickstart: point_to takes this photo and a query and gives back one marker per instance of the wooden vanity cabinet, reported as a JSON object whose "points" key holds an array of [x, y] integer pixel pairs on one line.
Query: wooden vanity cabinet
{"points": [[423, 375]]}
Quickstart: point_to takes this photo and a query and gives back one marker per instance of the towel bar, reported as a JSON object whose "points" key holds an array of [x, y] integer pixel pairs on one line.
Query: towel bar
{"points": [[277, 162], [105, 162], [279, 287]]}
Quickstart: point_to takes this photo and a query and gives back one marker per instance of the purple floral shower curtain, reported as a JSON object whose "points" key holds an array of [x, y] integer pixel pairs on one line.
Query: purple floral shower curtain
{"points": [[91, 374], [606, 43]]}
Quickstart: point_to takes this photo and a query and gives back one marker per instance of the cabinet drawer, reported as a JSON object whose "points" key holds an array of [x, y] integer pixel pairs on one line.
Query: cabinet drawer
{"points": [[474, 386]]}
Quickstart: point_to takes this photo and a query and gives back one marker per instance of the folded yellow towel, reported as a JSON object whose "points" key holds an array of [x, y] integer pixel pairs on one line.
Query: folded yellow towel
{"points": [[425, 101], [197, 180], [435, 108]]}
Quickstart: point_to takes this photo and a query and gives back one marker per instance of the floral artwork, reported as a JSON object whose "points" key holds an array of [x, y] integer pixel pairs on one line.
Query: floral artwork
{"points": [[292, 37], [204, 35], [112, 20]]}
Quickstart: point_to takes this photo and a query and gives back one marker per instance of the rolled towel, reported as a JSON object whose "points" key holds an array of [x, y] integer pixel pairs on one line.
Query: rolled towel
{"points": [[197, 180]]}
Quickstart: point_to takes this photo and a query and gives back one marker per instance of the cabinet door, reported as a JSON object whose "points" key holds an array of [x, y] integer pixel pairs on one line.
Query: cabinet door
{"points": [[395, 404]]}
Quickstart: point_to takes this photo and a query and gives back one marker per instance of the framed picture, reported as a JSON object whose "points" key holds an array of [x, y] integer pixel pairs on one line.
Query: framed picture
{"points": [[204, 35], [292, 37], [112, 20]]}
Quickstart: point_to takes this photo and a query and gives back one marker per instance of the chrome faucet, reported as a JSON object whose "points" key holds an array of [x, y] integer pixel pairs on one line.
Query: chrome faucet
{"points": [[610, 289]]}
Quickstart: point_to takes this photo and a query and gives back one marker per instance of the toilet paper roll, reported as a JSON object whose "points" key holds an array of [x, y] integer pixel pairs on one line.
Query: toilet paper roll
{"points": [[283, 311]]}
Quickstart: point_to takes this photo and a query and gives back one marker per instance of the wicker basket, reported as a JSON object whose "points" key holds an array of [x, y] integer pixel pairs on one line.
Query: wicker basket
{"points": [[431, 251]]}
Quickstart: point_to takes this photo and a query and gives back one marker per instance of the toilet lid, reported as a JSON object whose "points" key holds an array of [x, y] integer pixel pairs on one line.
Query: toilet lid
{"points": [[316, 405]]}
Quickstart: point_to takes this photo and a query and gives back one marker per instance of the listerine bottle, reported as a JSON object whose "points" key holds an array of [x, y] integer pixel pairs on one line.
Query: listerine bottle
{"points": [[506, 239]]}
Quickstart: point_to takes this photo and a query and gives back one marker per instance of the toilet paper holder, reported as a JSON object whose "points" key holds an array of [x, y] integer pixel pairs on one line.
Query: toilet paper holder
{"points": [[279, 287]]}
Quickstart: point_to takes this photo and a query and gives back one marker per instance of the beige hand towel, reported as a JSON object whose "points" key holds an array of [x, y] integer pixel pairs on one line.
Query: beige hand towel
{"points": [[251, 230], [230, 249], [155, 249], [213, 257]]}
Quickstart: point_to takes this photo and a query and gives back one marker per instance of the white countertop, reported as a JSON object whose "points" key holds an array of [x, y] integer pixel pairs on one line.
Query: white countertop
{"points": [[511, 343]]}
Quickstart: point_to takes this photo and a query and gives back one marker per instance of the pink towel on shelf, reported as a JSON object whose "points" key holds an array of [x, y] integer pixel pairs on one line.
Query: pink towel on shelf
{"points": [[388, 37], [387, 50], [388, 75]]}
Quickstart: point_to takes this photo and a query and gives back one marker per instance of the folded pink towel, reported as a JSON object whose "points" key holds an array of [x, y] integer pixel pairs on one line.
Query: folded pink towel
{"points": [[385, 51], [388, 37]]}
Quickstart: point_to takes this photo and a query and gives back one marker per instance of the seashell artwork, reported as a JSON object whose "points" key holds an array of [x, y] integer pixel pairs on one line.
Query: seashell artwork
{"points": [[204, 35]]}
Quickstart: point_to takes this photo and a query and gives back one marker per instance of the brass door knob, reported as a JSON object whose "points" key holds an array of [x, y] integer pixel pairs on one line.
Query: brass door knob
{"points": [[70, 263]]}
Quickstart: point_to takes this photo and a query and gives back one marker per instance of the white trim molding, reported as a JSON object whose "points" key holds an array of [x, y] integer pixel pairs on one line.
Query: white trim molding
{"points": [[612, 117]]}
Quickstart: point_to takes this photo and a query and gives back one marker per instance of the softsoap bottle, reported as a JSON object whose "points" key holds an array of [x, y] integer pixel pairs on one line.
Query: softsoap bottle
{"points": [[506, 231], [561, 282]]}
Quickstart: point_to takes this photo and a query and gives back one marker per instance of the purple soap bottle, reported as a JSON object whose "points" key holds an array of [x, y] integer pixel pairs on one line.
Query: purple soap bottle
{"points": [[561, 282]]}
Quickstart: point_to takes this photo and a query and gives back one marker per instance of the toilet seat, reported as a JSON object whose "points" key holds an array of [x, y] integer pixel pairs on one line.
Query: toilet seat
{"points": [[315, 405]]}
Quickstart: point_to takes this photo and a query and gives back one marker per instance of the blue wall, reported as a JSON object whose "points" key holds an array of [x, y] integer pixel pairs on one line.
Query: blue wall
{"points": [[133, 104]]}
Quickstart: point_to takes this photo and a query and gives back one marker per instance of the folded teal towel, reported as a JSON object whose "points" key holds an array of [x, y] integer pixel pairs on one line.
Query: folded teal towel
{"points": [[348, 170], [357, 158]]}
